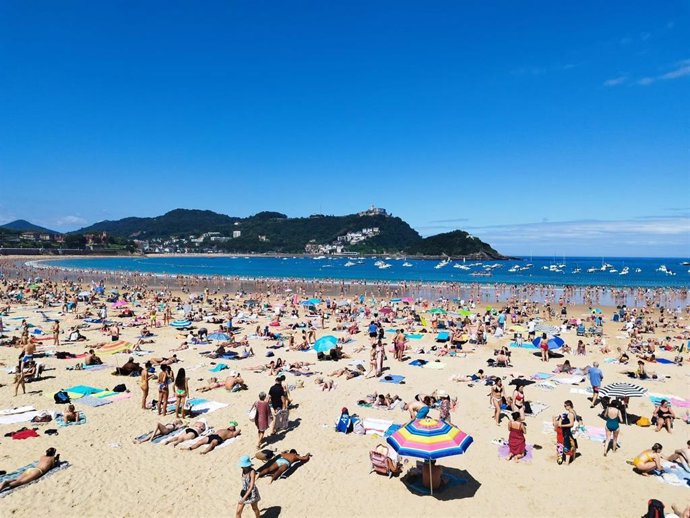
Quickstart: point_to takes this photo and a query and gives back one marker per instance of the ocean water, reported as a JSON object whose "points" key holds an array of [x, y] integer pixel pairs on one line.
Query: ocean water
{"points": [[583, 271]]}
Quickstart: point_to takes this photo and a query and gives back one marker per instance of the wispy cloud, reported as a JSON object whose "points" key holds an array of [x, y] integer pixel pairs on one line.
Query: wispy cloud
{"points": [[616, 81], [453, 220], [678, 70], [652, 235]]}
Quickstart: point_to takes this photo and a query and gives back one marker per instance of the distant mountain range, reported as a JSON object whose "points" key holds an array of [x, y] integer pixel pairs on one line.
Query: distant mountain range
{"points": [[21, 225], [370, 232]]}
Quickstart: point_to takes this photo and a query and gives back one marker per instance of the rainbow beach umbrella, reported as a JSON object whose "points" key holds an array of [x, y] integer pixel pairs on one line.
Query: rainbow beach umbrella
{"points": [[429, 439]]}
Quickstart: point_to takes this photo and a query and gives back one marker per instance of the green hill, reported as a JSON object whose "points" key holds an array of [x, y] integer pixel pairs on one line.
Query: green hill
{"points": [[21, 225], [274, 232]]}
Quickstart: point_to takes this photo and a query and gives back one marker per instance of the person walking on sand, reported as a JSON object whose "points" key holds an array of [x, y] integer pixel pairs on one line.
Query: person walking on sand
{"points": [[595, 379], [262, 417], [181, 392], [250, 493], [613, 421]]}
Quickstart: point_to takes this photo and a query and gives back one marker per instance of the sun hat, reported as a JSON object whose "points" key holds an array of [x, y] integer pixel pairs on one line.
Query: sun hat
{"points": [[245, 461]]}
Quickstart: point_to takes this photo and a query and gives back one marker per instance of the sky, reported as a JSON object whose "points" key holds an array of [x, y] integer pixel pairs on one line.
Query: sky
{"points": [[545, 128]]}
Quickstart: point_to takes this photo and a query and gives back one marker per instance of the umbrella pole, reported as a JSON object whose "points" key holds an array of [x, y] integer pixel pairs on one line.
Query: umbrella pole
{"points": [[431, 480]]}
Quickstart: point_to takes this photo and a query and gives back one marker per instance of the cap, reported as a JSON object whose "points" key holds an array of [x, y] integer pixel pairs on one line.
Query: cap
{"points": [[245, 461]]}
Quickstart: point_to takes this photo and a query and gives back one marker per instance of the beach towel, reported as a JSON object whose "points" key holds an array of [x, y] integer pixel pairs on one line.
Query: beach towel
{"points": [[60, 420], [9, 476], [418, 363], [192, 442], [24, 434], [594, 434], [443, 336], [582, 391], [376, 426], [542, 376], [571, 380], [17, 410], [546, 385], [664, 360], [434, 365], [18, 418], [207, 407], [525, 345], [219, 367], [674, 475], [93, 402], [161, 438], [537, 408], [673, 400], [84, 390], [504, 452], [392, 378], [611, 361], [392, 429], [548, 428], [414, 483]]}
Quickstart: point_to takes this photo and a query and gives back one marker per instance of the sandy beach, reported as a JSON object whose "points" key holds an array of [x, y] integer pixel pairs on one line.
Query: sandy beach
{"points": [[111, 476]]}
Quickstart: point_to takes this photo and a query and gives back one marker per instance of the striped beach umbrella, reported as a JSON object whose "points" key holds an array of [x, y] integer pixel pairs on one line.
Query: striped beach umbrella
{"points": [[116, 347], [180, 324], [429, 439], [622, 389]]}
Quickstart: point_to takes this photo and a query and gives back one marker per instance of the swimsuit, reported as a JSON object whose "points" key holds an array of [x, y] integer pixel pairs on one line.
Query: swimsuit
{"points": [[27, 358], [612, 424], [192, 431], [215, 437], [643, 458], [180, 392], [280, 461]]}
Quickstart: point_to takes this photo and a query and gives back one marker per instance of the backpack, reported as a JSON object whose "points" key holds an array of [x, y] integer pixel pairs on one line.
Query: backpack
{"points": [[655, 509], [61, 397], [119, 388], [345, 424]]}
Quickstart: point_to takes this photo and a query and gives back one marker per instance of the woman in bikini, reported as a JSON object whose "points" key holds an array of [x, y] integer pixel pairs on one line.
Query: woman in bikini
{"points": [[496, 396], [181, 391], [44, 465], [164, 379], [519, 401], [147, 374], [649, 460], [161, 430], [613, 421]]}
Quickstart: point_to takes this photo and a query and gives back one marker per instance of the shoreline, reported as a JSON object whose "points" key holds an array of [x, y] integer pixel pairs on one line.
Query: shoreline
{"points": [[496, 292]]}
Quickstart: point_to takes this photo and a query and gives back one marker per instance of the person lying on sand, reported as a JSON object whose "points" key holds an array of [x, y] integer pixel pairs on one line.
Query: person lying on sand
{"points": [[161, 430], [325, 383], [281, 464], [211, 384], [234, 380], [215, 439], [472, 378], [164, 361], [45, 464], [190, 433], [348, 372]]}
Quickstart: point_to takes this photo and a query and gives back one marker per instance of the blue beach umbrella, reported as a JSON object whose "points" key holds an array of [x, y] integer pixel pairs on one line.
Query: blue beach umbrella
{"points": [[555, 342], [325, 343]]}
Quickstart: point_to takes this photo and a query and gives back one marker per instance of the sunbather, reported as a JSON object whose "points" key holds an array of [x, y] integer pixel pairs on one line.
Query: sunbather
{"points": [[45, 464], [215, 439], [681, 457], [325, 383], [161, 430], [190, 433], [281, 464]]}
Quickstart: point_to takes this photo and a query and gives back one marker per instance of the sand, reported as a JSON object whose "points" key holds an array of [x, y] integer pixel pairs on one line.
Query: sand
{"points": [[111, 476]]}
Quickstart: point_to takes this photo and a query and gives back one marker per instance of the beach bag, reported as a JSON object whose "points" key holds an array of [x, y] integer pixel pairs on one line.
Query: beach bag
{"points": [[643, 422], [655, 509], [119, 388], [282, 420], [358, 426], [252, 413], [344, 424], [61, 397]]}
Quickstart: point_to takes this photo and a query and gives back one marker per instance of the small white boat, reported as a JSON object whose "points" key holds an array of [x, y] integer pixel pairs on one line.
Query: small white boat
{"points": [[443, 263], [384, 266], [349, 263], [406, 264], [638, 270], [624, 271]]}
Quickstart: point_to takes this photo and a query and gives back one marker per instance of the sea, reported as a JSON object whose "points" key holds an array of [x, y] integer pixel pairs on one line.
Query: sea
{"points": [[577, 271]]}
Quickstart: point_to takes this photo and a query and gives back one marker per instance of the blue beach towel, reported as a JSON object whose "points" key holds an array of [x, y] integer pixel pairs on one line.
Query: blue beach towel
{"points": [[392, 378], [83, 389], [60, 420], [418, 363], [219, 367], [443, 336], [664, 360]]}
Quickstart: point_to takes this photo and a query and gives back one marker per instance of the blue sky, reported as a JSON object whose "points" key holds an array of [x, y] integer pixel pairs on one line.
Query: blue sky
{"points": [[542, 127]]}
